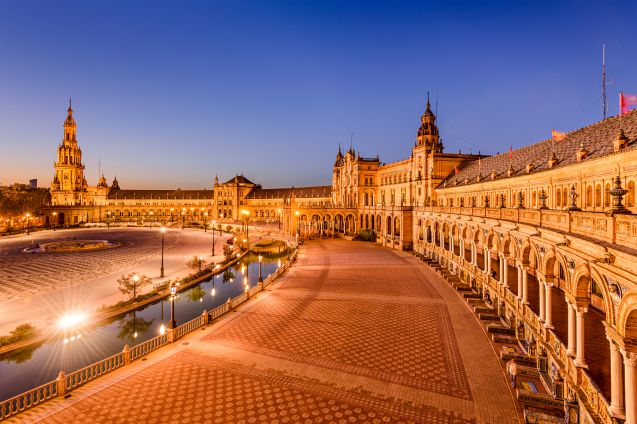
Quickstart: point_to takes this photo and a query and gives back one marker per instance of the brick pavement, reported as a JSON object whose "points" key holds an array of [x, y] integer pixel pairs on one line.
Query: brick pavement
{"points": [[352, 333]]}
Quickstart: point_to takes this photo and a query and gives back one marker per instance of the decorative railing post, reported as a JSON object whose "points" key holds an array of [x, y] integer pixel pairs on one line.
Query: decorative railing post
{"points": [[126, 353], [171, 334], [229, 305], [204, 317], [61, 383]]}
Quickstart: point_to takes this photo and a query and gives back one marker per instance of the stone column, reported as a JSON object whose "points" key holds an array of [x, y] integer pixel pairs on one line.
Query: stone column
{"points": [[505, 273], [542, 298], [616, 407], [630, 363], [500, 269], [548, 306], [525, 286], [580, 360], [519, 268], [487, 261], [571, 329]]}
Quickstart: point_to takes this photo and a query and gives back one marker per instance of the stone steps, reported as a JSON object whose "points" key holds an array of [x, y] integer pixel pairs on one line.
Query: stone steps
{"points": [[504, 338], [539, 400], [471, 295]]}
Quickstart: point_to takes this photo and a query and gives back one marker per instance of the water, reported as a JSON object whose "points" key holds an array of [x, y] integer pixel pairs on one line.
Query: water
{"points": [[36, 365]]}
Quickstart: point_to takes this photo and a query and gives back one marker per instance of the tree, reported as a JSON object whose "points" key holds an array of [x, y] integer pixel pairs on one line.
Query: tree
{"points": [[131, 284], [227, 252], [195, 264], [220, 228]]}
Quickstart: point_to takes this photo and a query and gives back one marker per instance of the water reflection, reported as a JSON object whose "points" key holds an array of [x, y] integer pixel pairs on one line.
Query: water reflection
{"points": [[35, 365]]}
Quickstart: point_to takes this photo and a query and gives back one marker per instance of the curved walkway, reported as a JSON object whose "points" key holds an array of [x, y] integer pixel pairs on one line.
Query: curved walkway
{"points": [[352, 333]]}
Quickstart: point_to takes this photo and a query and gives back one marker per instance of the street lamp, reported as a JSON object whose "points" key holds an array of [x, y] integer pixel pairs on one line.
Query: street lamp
{"points": [[183, 218], [298, 223], [260, 275], [213, 236], [163, 232], [55, 215], [108, 219], [28, 216], [171, 214], [205, 221], [173, 293], [150, 221]]}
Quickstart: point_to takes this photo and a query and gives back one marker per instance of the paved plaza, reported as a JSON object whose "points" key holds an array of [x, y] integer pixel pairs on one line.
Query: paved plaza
{"points": [[353, 332], [37, 287]]}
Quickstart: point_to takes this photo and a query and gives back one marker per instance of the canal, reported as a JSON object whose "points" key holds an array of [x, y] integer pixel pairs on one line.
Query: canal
{"points": [[68, 351]]}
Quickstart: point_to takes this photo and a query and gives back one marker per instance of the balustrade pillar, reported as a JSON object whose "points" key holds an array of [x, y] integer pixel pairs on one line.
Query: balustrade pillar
{"points": [[570, 350], [630, 363], [616, 407], [580, 360], [487, 261], [548, 306]]}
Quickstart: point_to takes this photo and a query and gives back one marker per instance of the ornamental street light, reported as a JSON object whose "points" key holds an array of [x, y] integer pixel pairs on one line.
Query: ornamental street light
{"points": [[108, 219], [28, 216], [163, 232], [173, 294], [55, 214], [205, 221], [171, 214], [260, 275]]}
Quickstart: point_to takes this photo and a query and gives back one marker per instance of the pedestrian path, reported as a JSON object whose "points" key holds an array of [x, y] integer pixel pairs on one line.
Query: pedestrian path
{"points": [[353, 332]]}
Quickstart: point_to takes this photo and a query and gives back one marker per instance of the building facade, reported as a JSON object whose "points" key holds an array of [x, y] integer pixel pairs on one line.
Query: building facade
{"points": [[546, 232]]}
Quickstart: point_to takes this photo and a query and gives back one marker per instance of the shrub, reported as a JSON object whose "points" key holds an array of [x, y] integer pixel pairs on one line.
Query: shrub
{"points": [[366, 235], [21, 332]]}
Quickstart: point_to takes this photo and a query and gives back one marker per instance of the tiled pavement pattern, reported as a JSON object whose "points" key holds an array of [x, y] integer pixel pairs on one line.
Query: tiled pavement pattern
{"points": [[315, 349], [29, 274]]}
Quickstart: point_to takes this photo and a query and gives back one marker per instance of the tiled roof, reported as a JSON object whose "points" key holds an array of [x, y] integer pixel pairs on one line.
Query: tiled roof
{"points": [[597, 139], [161, 194], [302, 192], [239, 179]]}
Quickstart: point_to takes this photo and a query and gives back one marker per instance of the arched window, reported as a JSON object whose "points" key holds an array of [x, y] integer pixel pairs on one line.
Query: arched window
{"points": [[598, 195], [607, 195], [630, 196], [589, 196]]}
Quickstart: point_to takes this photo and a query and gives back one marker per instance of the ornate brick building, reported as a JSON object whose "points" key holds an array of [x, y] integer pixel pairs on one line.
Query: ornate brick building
{"points": [[546, 233]]}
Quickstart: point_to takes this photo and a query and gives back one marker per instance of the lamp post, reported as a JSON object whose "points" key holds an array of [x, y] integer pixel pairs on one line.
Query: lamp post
{"points": [[108, 219], [55, 215], [205, 221], [173, 293], [171, 214], [163, 232], [298, 228], [150, 221], [183, 218], [213, 236], [28, 216], [260, 275]]}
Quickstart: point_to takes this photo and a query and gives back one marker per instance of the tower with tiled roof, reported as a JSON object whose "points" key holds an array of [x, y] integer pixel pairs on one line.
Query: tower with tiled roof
{"points": [[69, 183], [428, 131]]}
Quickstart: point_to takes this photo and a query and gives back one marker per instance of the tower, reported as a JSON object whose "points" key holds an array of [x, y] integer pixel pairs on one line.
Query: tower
{"points": [[68, 183], [428, 131]]}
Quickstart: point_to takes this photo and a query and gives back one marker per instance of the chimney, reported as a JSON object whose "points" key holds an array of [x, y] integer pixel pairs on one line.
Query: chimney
{"points": [[582, 153], [621, 141]]}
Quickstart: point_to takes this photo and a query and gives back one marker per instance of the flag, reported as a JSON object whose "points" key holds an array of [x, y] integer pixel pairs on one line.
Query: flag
{"points": [[510, 152], [558, 135], [626, 101]]}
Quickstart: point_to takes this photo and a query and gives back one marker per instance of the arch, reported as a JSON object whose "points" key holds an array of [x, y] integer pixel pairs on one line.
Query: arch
{"points": [[396, 226], [598, 195], [627, 317], [630, 196]]}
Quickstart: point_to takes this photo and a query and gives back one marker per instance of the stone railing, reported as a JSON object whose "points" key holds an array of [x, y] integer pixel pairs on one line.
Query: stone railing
{"points": [[620, 229], [28, 400], [590, 394], [65, 383]]}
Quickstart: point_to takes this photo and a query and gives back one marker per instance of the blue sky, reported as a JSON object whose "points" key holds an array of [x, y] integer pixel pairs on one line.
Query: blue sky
{"points": [[167, 94]]}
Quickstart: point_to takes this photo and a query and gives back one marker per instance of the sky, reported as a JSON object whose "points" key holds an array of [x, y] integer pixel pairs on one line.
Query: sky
{"points": [[169, 94]]}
